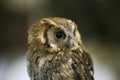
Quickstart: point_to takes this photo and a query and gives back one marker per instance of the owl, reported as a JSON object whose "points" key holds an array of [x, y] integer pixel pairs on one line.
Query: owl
{"points": [[56, 51]]}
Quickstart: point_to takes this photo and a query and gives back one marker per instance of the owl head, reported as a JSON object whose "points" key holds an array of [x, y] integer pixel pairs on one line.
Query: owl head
{"points": [[53, 34]]}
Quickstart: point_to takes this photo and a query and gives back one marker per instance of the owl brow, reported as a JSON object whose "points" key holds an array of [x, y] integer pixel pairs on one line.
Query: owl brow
{"points": [[46, 37], [67, 24], [74, 31]]}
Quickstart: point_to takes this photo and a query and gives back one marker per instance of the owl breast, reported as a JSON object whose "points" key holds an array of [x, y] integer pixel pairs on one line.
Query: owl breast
{"points": [[56, 67]]}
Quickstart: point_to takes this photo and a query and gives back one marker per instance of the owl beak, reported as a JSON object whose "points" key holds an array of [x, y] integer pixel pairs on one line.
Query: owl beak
{"points": [[69, 44]]}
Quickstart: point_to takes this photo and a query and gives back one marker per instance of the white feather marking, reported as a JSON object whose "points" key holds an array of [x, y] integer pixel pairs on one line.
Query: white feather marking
{"points": [[53, 45], [41, 63]]}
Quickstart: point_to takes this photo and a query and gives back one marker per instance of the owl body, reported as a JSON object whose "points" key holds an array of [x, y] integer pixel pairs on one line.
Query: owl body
{"points": [[56, 51]]}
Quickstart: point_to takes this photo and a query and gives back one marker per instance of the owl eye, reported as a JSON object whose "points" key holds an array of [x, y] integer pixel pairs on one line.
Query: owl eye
{"points": [[60, 34]]}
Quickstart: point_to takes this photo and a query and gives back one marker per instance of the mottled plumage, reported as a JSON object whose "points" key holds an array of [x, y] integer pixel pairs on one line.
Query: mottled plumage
{"points": [[56, 51]]}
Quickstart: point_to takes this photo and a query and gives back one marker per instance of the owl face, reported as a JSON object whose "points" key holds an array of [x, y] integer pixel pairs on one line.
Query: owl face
{"points": [[55, 34]]}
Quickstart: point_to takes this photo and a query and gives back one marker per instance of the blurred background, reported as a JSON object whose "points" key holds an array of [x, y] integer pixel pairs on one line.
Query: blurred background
{"points": [[98, 21]]}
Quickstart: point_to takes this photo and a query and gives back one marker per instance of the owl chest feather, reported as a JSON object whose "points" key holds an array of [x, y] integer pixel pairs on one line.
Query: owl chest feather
{"points": [[55, 67], [71, 65], [59, 66]]}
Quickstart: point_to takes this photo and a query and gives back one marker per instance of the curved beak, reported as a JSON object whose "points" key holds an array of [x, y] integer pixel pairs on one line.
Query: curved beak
{"points": [[69, 44]]}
